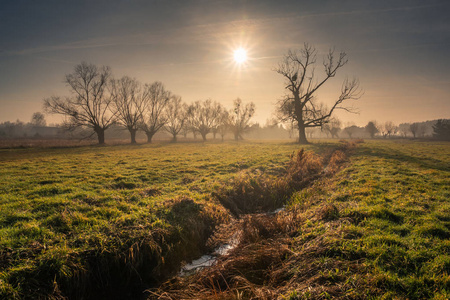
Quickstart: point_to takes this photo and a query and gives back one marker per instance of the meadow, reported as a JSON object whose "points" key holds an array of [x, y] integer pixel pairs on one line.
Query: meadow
{"points": [[379, 228], [65, 211], [112, 221]]}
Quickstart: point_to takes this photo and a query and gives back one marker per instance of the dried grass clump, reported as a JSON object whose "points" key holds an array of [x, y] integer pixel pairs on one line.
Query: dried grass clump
{"points": [[337, 158], [303, 167], [327, 212], [251, 192], [275, 260]]}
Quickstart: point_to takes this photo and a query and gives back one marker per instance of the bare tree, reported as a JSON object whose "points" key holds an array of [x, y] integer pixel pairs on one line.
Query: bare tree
{"points": [[204, 116], [300, 105], [186, 126], [403, 129], [414, 128], [89, 104], [371, 128], [223, 124], [382, 130], [156, 98], [176, 114], [291, 130], [335, 127], [350, 130], [38, 120], [422, 130], [325, 128], [127, 104], [390, 128], [239, 117]]}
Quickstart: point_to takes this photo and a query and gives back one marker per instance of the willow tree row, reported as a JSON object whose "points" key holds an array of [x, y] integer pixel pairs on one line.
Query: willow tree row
{"points": [[99, 101]]}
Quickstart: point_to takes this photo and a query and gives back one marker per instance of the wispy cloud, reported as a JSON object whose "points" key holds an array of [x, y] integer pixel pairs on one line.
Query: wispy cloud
{"points": [[203, 32]]}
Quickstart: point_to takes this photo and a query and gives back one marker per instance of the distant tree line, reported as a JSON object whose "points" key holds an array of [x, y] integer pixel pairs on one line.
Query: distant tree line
{"points": [[35, 128], [98, 101], [437, 129]]}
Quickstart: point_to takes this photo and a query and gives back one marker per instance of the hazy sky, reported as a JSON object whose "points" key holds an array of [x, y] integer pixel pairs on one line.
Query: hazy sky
{"points": [[399, 50]]}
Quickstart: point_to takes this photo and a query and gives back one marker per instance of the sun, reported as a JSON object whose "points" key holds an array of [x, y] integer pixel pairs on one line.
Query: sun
{"points": [[240, 55]]}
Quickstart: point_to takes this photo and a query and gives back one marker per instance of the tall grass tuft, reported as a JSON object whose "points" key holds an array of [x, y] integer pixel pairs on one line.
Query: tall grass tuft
{"points": [[255, 191]]}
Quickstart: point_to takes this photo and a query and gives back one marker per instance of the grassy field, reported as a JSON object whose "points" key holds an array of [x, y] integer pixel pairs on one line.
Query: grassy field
{"points": [[67, 211], [389, 232], [77, 218], [397, 198], [377, 229]]}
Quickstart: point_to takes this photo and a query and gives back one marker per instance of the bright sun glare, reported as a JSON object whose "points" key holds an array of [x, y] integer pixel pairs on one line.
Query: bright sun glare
{"points": [[240, 55]]}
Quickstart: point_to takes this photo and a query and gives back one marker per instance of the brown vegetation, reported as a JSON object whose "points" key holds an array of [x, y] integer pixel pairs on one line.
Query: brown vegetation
{"points": [[253, 191], [271, 246]]}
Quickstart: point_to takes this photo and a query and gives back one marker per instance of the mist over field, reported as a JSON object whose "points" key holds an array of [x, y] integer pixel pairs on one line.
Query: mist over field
{"points": [[224, 150]]}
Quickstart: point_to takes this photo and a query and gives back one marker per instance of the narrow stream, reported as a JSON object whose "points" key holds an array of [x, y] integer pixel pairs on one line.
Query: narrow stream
{"points": [[208, 260]]}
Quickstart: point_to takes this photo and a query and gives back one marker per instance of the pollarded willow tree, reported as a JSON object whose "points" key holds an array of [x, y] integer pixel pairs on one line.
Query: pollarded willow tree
{"points": [[176, 116], [203, 116], [38, 120], [89, 105], [223, 123], [156, 99], [127, 104], [239, 117], [300, 104]]}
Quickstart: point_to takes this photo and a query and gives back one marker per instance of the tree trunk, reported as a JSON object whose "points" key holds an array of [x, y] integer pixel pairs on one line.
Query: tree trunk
{"points": [[133, 135], [302, 135], [100, 135], [149, 136], [174, 138], [204, 136]]}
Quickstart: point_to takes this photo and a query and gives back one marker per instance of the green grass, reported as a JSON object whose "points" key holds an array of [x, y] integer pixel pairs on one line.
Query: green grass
{"points": [[394, 209], [76, 219], [67, 211]]}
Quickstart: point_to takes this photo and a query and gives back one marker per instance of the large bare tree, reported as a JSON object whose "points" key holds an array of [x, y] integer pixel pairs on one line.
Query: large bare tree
{"points": [[239, 117], [127, 104], [300, 104], [203, 116], [90, 101], [156, 98], [176, 114]]}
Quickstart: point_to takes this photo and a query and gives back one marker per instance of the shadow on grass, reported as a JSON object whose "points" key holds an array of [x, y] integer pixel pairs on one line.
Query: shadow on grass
{"points": [[393, 154]]}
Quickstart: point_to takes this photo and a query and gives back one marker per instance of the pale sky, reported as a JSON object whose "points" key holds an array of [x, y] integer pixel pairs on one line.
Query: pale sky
{"points": [[399, 50]]}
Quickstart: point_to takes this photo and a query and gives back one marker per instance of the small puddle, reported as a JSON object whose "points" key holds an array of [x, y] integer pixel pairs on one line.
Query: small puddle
{"points": [[208, 260]]}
